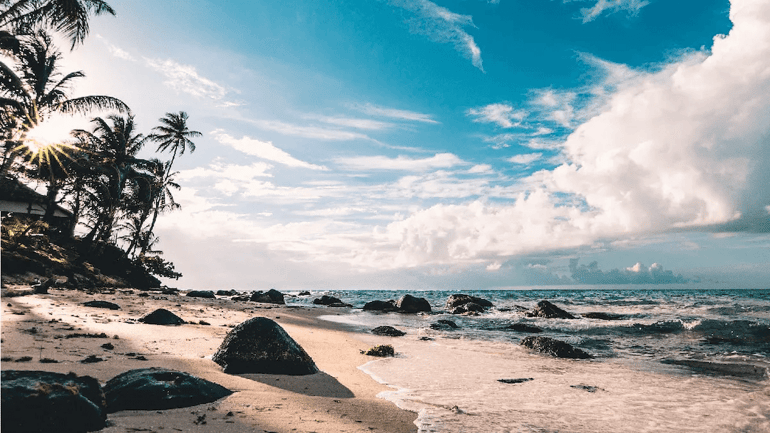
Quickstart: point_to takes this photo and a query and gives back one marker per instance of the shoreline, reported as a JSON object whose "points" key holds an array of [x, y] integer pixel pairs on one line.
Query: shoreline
{"points": [[341, 398]]}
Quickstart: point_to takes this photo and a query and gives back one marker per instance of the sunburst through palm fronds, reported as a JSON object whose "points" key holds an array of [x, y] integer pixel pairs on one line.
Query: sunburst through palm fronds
{"points": [[49, 155]]}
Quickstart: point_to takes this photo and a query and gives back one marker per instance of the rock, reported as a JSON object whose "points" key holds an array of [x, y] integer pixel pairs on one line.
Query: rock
{"points": [[468, 308], [40, 401], [272, 296], [304, 293], [588, 388], [381, 351], [330, 301], [550, 346], [444, 325], [43, 286], [522, 380], [388, 331], [383, 306], [161, 316], [226, 292], [458, 300], [208, 294], [549, 311], [102, 304], [523, 327], [90, 359], [411, 304], [603, 316], [723, 368], [260, 345], [159, 389]]}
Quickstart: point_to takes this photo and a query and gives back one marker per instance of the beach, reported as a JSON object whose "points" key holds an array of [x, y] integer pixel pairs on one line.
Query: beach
{"points": [[341, 398]]}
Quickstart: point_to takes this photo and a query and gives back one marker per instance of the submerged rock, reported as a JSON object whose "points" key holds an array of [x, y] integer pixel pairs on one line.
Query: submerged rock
{"points": [[722, 368], [272, 296], [158, 389], [603, 316], [208, 294], [40, 401], [411, 304], [553, 347], [384, 306], [259, 345], [161, 316], [388, 331], [330, 301], [102, 304], [470, 308], [444, 325], [549, 311], [523, 327]]}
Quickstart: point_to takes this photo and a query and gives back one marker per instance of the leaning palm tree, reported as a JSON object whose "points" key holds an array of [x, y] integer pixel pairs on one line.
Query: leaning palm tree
{"points": [[163, 197], [174, 134], [70, 17], [32, 91]]}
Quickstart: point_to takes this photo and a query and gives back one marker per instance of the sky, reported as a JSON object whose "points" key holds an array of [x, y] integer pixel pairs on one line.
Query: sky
{"points": [[452, 144]]}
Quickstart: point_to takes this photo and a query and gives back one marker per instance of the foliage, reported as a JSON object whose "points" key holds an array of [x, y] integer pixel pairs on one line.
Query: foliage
{"points": [[156, 265], [16, 231]]}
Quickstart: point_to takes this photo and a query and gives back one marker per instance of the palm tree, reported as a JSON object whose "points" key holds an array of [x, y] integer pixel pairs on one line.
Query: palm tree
{"points": [[34, 91], [163, 198], [174, 134], [121, 175], [67, 16]]}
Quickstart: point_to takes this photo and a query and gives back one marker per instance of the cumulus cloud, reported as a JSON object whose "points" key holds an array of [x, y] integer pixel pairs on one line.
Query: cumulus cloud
{"points": [[502, 114], [637, 274], [525, 159], [442, 25], [683, 147], [263, 149], [440, 160]]}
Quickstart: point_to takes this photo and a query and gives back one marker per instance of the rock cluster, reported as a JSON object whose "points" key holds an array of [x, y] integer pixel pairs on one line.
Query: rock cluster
{"points": [[553, 347], [466, 304], [405, 304], [272, 296], [208, 294]]}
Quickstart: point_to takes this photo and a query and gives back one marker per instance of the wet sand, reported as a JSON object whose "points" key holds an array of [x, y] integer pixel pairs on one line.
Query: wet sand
{"points": [[341, 398]]}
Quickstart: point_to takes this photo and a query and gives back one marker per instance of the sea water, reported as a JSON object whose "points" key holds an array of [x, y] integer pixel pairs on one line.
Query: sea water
{"points": [[638, 382]]}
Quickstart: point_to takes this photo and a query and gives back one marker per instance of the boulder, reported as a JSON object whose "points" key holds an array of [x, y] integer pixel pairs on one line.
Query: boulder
{"points": [[161, 316], [272, 296], [384, 306], [330, 301], [468, 308], [411, 304], [458, 300], [444, 325], [381, 351], [603, 316], [303, 293], [523, 327], [549, 311], [208, 294], [40, 401], [159, 389], [102, 304], [557, 348], [226, 292], [260, 345], [388, 331]]}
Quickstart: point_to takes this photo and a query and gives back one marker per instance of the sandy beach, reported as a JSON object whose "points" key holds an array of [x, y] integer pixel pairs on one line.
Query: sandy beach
{"points": [[341, 398]]}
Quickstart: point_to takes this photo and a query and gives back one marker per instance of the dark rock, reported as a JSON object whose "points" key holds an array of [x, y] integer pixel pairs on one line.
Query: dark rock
{"points": [[40, 401], [550, 346], [384, 306], [444, 325], [108, 346], [426, 339], [161, 316], [411, 304], [523, 327], [549, 311], [260, 345], [158, 389], [468, 308], [722, 368], [603, 316], [226, 292], [304, 293], [330, 301], [588, 388], [388, 331], [272, 296], [381, 351], [522, 380], [90, 359], [102, 304], [458, 300], [43, 286], [208, 294]]}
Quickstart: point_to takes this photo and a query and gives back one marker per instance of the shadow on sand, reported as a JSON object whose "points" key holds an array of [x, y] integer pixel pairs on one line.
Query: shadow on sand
{"points": [[317, 385]]}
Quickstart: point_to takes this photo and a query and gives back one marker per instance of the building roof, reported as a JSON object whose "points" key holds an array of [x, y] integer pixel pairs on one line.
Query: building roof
{"points": [[12, 190]]}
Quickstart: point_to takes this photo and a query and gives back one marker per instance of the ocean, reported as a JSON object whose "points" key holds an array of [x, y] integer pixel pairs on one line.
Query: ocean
{"points": [[672, 359]]}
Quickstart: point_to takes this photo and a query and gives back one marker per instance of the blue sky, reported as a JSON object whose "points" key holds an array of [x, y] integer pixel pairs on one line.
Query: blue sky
{"points": [[417, 144]]}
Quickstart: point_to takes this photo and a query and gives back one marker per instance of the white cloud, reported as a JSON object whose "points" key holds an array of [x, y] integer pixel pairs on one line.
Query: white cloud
{"points": [[233, 172], [610, 6], [115, 50], [309, 131], [502, 114], [393, 113], [184, 78], [481, 169], [367, 124], [525, 159], [263, 149], [443, 26], [440, 160]]}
